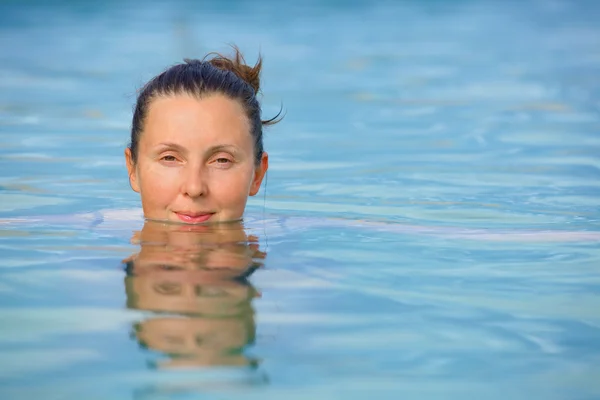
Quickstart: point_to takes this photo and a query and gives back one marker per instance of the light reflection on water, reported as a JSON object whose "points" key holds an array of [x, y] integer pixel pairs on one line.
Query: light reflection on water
{"points": [[469, 124]]}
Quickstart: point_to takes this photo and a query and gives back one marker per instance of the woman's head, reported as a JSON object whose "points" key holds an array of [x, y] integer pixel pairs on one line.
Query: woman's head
{"points": [[196, 150]]}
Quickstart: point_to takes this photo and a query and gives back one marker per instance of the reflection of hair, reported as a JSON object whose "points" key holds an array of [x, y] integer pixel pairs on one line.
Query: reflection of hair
{"points": [[131, 297], [243, 278], [219, 74], [129, 267]]}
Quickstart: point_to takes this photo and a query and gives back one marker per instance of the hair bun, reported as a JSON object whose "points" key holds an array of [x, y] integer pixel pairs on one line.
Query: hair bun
{"points": [[238, 66]]}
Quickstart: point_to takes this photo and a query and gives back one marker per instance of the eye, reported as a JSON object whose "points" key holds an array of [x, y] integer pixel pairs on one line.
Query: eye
{"points": [[203, 291], [168, 288], [166, 267], [168, 158], [222, 160]]}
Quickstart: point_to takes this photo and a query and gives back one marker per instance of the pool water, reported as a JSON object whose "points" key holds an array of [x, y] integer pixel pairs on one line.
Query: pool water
{"points": [[430, 227]]}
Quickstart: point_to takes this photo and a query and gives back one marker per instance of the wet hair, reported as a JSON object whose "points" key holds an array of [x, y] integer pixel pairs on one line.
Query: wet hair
{"points": [[214, 74]]}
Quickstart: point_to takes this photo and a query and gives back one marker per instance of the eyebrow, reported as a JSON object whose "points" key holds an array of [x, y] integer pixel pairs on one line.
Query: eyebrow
{"points": [[222, 147], [173, 146], [181, 149]]}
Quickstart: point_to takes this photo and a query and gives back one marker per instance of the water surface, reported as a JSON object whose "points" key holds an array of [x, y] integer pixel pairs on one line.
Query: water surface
{"points": [[463, 127]]}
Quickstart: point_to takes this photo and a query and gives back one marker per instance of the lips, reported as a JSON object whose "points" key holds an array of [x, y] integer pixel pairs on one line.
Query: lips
{"points": [[193, 218]]}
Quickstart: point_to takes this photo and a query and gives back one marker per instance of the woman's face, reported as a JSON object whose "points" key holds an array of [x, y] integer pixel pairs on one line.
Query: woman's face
{"points": [[195, 160]]}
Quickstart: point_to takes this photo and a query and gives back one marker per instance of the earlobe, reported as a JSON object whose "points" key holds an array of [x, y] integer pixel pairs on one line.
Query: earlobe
{"points": [[259, 174], [131, 170]]}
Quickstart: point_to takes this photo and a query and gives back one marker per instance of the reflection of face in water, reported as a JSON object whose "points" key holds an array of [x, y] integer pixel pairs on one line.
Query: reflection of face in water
{"points": [[200, 273]]}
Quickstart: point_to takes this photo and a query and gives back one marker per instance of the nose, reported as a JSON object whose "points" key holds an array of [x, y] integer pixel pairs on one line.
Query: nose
{"points": [[194, 182]]}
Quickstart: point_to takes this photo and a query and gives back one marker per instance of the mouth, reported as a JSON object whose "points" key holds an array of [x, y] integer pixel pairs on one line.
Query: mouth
{"points": [[194, 218]]}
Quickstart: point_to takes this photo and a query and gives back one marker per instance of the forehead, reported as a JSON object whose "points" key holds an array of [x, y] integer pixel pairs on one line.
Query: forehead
{"points": [[190, 120]]}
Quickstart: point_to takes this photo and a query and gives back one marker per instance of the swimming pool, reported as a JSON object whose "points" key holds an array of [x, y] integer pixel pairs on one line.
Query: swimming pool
{"points": [[447, 132]]}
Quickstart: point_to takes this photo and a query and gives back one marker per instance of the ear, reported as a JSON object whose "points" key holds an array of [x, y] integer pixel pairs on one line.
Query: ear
{"points": [[131, 170], [259, 174]]}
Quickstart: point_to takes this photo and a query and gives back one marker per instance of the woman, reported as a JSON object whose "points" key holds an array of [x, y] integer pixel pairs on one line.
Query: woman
{"points": [[196, 150], [196, 155]]}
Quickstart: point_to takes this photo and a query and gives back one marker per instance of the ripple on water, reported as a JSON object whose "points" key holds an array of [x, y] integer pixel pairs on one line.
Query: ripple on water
{"points": [[15, 201]]}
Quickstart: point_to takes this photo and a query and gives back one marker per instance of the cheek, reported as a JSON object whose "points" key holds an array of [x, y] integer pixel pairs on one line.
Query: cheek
{"points": [[233, 189], [235, 186], [158, 185]]}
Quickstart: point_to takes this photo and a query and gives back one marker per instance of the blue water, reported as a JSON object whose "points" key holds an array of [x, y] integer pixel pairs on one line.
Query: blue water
{"points": [[431, 221]]}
